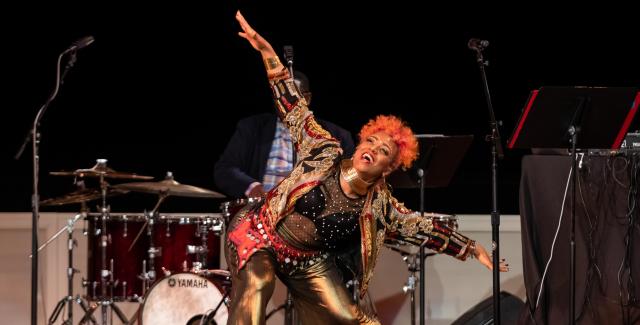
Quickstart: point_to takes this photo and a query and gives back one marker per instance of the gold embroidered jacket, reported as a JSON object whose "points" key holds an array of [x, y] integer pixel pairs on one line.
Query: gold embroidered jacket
{"points": [[382, 216]]}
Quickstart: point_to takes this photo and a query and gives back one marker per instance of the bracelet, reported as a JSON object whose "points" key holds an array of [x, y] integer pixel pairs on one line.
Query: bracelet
{"points": [[278, 74], [272, 62]]}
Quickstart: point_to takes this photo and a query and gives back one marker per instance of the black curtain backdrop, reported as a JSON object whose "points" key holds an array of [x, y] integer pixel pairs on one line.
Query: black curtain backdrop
{"points": [[163, 85]]}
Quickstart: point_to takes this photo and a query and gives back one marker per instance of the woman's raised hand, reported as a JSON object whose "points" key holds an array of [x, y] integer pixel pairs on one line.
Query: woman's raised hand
{"points": [[257, 41]]}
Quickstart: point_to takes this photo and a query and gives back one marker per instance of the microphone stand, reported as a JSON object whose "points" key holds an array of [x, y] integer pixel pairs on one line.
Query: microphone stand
{"points": [[496, 153], [423, 298], [35, 137], [288, 56]]}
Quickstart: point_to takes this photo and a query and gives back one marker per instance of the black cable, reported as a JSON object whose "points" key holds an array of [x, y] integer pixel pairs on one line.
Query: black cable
{"points": [[592, 269]]}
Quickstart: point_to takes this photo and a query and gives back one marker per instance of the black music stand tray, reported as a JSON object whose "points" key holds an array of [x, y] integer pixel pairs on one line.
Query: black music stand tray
{"points": [[575, 118], [601, 114], [440, 156]]}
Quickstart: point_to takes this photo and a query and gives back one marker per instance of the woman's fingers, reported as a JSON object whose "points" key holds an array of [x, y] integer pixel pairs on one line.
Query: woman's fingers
{"points": [[503, 266], [245, 25]]}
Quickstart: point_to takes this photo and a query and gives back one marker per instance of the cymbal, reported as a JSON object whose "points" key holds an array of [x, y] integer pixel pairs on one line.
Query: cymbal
{"points": [[169, 187], [80, 196], [100, 169]]}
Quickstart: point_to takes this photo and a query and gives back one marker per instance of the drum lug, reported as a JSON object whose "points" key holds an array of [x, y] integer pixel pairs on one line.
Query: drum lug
{"points": [[154, 252], [197, 249]]}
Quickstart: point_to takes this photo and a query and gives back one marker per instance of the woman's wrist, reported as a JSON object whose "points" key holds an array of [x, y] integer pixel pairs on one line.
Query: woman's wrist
{"points": [[272, 63], [275, 68]]}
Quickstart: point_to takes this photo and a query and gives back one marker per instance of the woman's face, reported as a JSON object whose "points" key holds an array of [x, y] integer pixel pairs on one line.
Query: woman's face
{"points": [[374, 156]]}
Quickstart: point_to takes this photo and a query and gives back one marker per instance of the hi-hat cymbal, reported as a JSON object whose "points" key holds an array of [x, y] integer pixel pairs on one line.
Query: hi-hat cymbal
{"points": [[100, 169], [169, 187], [80, 196]]}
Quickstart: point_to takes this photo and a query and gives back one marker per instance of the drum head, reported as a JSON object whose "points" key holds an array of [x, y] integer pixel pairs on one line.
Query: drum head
{"points": [[178, 298]]}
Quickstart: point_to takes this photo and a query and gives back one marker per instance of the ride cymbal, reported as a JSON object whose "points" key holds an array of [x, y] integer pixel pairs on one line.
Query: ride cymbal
{"points": [[169, 187]]}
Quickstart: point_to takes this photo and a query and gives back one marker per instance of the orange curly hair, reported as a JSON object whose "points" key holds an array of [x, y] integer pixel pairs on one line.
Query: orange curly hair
{"points": [[401, 134]]}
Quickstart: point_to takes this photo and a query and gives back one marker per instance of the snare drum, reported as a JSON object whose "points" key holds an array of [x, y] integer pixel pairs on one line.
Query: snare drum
{"points": [[121, 267], [181, 299]]}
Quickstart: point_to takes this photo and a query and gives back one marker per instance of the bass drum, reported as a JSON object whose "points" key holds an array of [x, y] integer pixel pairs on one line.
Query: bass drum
{"points": [[183, 298]]}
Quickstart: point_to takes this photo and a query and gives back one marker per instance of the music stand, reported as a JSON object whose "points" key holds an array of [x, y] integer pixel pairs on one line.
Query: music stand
{"points": [[575, 118], [439, 158]]}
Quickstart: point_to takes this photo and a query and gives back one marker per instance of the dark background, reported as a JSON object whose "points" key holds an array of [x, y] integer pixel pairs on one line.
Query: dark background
{"points": [[163, 86]]}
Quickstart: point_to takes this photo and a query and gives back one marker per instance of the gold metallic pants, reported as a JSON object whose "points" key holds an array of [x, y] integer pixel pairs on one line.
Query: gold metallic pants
{"points": [[319, 297]]}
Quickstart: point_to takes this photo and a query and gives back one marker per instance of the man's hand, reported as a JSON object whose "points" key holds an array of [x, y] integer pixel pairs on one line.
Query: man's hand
{"points": [[257, 191]]}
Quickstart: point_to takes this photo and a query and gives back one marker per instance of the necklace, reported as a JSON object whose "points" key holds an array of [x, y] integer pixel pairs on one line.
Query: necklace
{"points": [[350, 175]]}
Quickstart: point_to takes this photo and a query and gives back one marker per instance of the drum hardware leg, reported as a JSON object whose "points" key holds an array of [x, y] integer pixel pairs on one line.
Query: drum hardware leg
{"points": [[88, 314], [135, 316], [103, 312], [57, 310], [119, 313], [104, 306], [414, 265], [71, 243], [288, 310], [85, 308], [289, 315], [410, 286]]}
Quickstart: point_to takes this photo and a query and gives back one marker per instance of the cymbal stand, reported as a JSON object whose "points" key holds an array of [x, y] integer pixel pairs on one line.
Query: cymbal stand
{"points": [[410, 286], [68, 299], [106, 275], [415, 263]]}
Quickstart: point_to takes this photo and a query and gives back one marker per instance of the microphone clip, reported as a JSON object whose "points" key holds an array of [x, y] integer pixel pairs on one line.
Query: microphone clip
{"points": [[477, 44]]}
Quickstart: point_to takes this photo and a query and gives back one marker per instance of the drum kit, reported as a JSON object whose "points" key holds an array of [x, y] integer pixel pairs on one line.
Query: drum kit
{"points": [[162, 262]]}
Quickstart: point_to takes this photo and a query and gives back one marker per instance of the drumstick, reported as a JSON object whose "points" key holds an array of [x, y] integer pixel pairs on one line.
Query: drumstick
{"points": [[135, 240]]}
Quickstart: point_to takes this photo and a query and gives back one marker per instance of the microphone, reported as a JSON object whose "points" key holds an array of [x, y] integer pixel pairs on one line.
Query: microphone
{"points": [[78, 44], [81, 43], [288, 54], [477, 44]]}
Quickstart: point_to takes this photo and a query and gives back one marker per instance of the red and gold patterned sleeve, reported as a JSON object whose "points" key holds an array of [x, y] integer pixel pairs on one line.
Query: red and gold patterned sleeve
{"points": [[410, 226], [292, 109]]}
